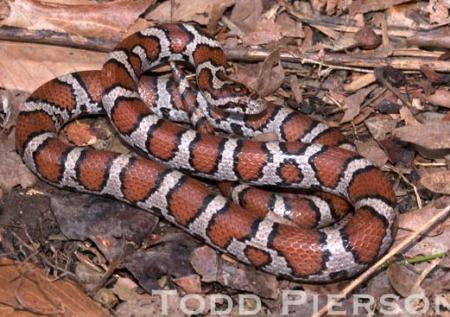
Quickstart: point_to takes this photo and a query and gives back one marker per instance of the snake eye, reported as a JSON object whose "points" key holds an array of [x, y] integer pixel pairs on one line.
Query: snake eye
{"points": [[237, 89]]}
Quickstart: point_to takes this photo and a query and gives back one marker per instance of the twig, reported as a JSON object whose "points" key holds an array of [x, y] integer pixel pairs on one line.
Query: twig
{"points": [[431, 164], [352, 62], [380, 76], [101, 261], [35, 249], [341, 60], [442, 214], [416, 192], [355, 69], [112, 267], [16, 34], [425, 272]]}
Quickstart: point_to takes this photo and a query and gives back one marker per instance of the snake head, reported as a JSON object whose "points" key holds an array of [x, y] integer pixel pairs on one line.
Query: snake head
{"points": [[238, 98]]}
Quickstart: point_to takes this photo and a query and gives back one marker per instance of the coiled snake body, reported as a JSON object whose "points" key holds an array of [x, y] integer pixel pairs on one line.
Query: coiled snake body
{"points": [[303, 158]]}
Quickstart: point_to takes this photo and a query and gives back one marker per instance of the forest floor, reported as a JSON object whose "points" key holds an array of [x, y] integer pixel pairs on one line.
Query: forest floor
{"points": [[379, 71]]}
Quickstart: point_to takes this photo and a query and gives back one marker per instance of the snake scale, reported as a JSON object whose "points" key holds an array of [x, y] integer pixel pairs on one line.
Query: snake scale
{"points": [[308, 155]]}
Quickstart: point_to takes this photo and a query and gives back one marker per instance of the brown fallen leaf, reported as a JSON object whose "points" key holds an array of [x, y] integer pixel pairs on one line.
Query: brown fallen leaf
{"points": [[290, 27], [30, 70], [106, 298], [10, 102], [397, 153], [408, 117], [233, 274], [215, 16], [262, 37], [110, 224], [433, 135], [245, 74], [12, 170], [26, 288], [380, 126], [204, 260], [318, 5], [243, 277], [169, 257], [433, 242], [246, 13], [430, 74], [437, 182], [363, 6], [437, 286], [403, 278], [190, 284], [437, 240], [265, 31], [316, 296], [360, 118], [105, 20], [151, 306], [379, 285], [127, 290], [372, 151], [295, 87], [353, 103], [271, 75], [441, 97], [308, 40], [360, 82], [344, 42], [195, 10], [401, 16]]}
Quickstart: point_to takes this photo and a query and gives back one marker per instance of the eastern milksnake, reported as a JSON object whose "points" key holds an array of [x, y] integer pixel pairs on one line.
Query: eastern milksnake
{"points": [[305, 157]]}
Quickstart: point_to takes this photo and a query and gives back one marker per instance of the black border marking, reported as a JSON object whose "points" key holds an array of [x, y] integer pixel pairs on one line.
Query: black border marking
{"points": [[353, 156], [362, 171], [139, 117], [82, 157], [283, 164], [61, 159], [266, 263], [346, 238]]}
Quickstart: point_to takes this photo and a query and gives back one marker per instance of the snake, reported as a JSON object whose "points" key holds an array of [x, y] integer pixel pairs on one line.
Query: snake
{"points": [[170, 169]]}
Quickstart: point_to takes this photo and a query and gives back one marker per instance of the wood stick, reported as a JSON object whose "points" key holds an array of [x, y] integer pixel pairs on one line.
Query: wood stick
{"points": [[16, 34], [236, 54], [402, 63]]}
